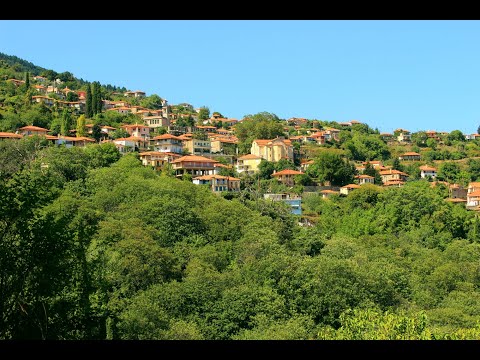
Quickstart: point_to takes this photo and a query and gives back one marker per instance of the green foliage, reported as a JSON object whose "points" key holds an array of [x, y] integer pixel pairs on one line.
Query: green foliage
{"points": [[370, 324], [363, 147], [331, 167], [204, 113], [262, 125], [81, 129]]}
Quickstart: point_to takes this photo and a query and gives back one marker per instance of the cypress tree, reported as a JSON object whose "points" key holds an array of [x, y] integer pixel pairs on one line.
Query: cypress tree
{"points": [[88, 103], [81, 126], [98, 99], [65, 124]]}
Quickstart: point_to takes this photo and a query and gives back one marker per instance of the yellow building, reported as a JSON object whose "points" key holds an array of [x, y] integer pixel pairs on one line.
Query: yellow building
{"points": [[248, 164], [273, 150]]}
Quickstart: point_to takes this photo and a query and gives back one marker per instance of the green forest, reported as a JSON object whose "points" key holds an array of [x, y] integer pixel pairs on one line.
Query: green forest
{"points": [[96, 246]]}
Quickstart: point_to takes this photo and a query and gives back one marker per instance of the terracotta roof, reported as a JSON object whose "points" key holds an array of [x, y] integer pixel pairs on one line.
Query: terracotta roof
{"points": [[287, 172], [194, 158], [474, 193], [351, 186], [410, 153], [10, 135], [33, 128], [474, 184], [146, 153], [328, 191], [263, 142], [392, 171], [427, 168], [364, 177], [134, 126], [166, 136], [249, 156]]}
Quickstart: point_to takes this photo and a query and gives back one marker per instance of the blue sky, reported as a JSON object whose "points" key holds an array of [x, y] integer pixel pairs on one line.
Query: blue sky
{"points": [[413, 74]]}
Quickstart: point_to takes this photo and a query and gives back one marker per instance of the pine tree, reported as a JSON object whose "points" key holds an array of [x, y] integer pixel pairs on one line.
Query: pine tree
{"points": [[88, 103], [81, 126]]}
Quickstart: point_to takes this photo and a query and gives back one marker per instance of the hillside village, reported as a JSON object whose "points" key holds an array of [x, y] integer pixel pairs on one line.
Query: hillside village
{"points": [[126, 217], [207, 152]]}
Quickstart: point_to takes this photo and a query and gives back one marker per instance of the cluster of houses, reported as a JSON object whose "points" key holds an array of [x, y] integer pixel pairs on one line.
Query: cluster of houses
{"points": [[185, 152]]}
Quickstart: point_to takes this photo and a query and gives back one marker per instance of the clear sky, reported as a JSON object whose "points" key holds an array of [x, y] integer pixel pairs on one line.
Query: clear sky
{"points": [[413, 74]]}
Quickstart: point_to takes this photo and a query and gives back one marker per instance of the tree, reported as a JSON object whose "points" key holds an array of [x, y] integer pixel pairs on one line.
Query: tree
{"points": [[65, 122], [96, 98], [432, 143], [27, 80], [88, 103], [204, 113], [331, 167], [371, 171], [448, 171], [81, 126], [266, 169], [97, 132], [456, 135]]}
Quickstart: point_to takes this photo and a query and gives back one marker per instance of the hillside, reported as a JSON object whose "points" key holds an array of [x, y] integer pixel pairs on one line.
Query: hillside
{"points": [[97, 244]]}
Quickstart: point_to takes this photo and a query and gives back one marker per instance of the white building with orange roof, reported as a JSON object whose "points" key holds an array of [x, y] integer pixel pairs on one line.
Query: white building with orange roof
{"points": [[365, 179], [121, 110], [157, 159], [473, 200], [410, 156], [39, 99], [220, 143], [248, 164], [135, 94], [304, 164], [327, 193], [376, 164], [403, 135], [426, 170], [138, 130], [197, 146], [130, 144], [473, 187], [155, 121], [319, 137], [347, 189], [39, 78], [218, 183], [287, 176], [70, 141], [272, 150], [472, 136], [33, 130], [194, 165], [393, 175], [167, 143]]}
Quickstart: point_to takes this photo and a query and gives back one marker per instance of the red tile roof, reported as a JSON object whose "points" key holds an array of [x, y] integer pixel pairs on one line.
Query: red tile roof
{"points": [[33, 128], [287, 172], [194, 158], [249, 156]]}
